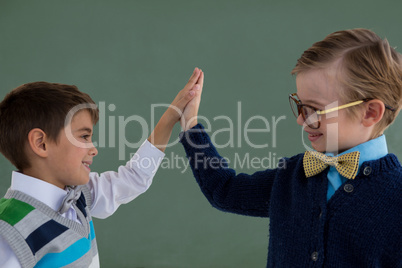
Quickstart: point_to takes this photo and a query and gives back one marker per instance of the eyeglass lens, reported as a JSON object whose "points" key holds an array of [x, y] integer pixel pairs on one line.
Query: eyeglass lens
{"points": [[309, 115]]}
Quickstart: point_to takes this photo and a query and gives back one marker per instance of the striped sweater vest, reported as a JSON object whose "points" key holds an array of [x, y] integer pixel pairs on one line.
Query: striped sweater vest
{"points": [[41, 237]]}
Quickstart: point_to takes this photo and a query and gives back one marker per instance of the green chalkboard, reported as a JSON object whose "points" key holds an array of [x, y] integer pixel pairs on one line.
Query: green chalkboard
{"points": [[131, 55]]}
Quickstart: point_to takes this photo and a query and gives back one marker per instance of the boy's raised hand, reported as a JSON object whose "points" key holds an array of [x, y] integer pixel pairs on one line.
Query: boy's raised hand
{"points": [[190, 90], [190, 114], [161, 134]]}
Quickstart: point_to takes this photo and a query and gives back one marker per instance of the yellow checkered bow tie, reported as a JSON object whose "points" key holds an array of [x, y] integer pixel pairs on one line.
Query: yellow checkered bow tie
{"points": [[346, 165]]}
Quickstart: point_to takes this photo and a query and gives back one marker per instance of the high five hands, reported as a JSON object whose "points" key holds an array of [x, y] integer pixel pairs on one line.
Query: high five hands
{"points": [[190, 113], [184, 107]]}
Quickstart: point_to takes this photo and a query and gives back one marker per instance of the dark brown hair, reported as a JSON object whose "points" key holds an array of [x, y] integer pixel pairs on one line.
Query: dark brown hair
{"points": [[36, 105]]}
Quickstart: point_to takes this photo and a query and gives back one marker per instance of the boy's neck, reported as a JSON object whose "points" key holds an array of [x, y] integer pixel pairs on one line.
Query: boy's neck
{"points": [[41, 174], [380, 146]]}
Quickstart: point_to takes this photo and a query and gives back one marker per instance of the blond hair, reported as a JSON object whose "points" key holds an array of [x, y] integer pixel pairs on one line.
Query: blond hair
{"points": [[369, 67]]}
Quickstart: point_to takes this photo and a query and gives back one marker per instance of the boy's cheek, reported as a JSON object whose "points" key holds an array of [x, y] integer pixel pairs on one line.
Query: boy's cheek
{"points": [[329, 120]]}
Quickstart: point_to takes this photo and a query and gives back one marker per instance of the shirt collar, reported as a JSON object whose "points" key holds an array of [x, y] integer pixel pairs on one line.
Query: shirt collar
{"points": [[45, 192], [370, 150]]}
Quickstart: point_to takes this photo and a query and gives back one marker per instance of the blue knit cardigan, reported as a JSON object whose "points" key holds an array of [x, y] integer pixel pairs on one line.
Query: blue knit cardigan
{"points": [[360, 226]]}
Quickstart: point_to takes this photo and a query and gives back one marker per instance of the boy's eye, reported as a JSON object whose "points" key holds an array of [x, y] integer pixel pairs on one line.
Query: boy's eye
{"points": [[86, 137]]}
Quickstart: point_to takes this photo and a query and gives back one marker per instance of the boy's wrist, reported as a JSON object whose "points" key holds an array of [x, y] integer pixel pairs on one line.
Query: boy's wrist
{"points": [[190, 124], [169, 119]]}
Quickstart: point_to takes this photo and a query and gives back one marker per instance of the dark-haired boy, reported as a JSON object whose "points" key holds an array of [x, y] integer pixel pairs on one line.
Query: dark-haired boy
{"points": [[46, 215]]}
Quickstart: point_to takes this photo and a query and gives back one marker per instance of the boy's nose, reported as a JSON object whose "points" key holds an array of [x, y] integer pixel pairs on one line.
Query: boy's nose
{"points": [[93, 151], [300, 120]]}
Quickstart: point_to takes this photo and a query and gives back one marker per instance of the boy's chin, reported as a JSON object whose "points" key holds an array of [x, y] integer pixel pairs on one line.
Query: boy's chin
{"points": [[86, 181], [325, 149], [83, 181], [320, 149]]}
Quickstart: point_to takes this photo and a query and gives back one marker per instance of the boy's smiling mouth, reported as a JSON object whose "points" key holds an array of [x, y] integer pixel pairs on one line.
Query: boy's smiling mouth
{"points": [[313, 136], [87, 164]]}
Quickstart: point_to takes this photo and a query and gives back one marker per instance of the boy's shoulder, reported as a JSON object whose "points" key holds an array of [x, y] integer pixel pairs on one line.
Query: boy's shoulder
{"points": [[291, 167], [384, 176], [13, 210], [393, 169], [292, 161], [387, 165]]}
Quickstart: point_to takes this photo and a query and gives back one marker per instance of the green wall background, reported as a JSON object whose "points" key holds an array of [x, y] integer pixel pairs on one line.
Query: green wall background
{"points": [[133, 54]]}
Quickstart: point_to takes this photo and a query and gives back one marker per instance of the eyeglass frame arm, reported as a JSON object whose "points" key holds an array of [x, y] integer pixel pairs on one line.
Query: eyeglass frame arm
{"points": [[319, 112]]}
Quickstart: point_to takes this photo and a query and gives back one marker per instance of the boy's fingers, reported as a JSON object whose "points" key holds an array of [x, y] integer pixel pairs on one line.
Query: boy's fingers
{"points": [[186, 98], [199, 85], [200, 80], [194, 78], [195, 72], [183, 94]]}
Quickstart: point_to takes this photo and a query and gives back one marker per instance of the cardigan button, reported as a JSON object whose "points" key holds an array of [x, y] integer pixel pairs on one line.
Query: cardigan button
{"points": [[367, 171], [314, 256], [348, 188]]}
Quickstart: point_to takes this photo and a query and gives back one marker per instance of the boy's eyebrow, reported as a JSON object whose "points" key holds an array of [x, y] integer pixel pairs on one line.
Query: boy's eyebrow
{"points": [[309, 101], [84, 129], [313, 102]]}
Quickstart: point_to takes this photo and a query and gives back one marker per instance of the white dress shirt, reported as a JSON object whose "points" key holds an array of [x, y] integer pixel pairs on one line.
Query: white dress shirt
{"points": [[109, 190]]}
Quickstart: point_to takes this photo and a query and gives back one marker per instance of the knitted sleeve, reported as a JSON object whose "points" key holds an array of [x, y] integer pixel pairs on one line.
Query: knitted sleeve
{"points": [[225, 190]]}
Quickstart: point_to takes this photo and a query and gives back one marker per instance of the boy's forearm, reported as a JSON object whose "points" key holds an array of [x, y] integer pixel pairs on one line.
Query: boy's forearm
{"points": [[161, 134], [223, 188]]}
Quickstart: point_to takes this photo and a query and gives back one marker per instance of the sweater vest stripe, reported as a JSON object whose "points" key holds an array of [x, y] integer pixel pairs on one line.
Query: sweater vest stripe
{"points": [[70, 254], [13, 216], [44, 234], [40, 237]]}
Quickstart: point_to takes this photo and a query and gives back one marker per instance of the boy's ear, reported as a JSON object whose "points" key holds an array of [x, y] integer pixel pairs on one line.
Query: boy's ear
{"points": [[37, 141], [373, 113]]}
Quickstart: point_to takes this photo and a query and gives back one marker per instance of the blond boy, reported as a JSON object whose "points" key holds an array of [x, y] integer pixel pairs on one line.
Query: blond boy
{"points": [[340, 204]]}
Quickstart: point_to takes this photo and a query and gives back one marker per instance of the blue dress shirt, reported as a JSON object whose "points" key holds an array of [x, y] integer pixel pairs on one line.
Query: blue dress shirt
{"points": [[371, 150]]}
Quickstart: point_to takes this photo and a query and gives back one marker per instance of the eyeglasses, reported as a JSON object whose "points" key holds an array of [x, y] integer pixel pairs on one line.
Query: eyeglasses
{"points": [[312, 115]]}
